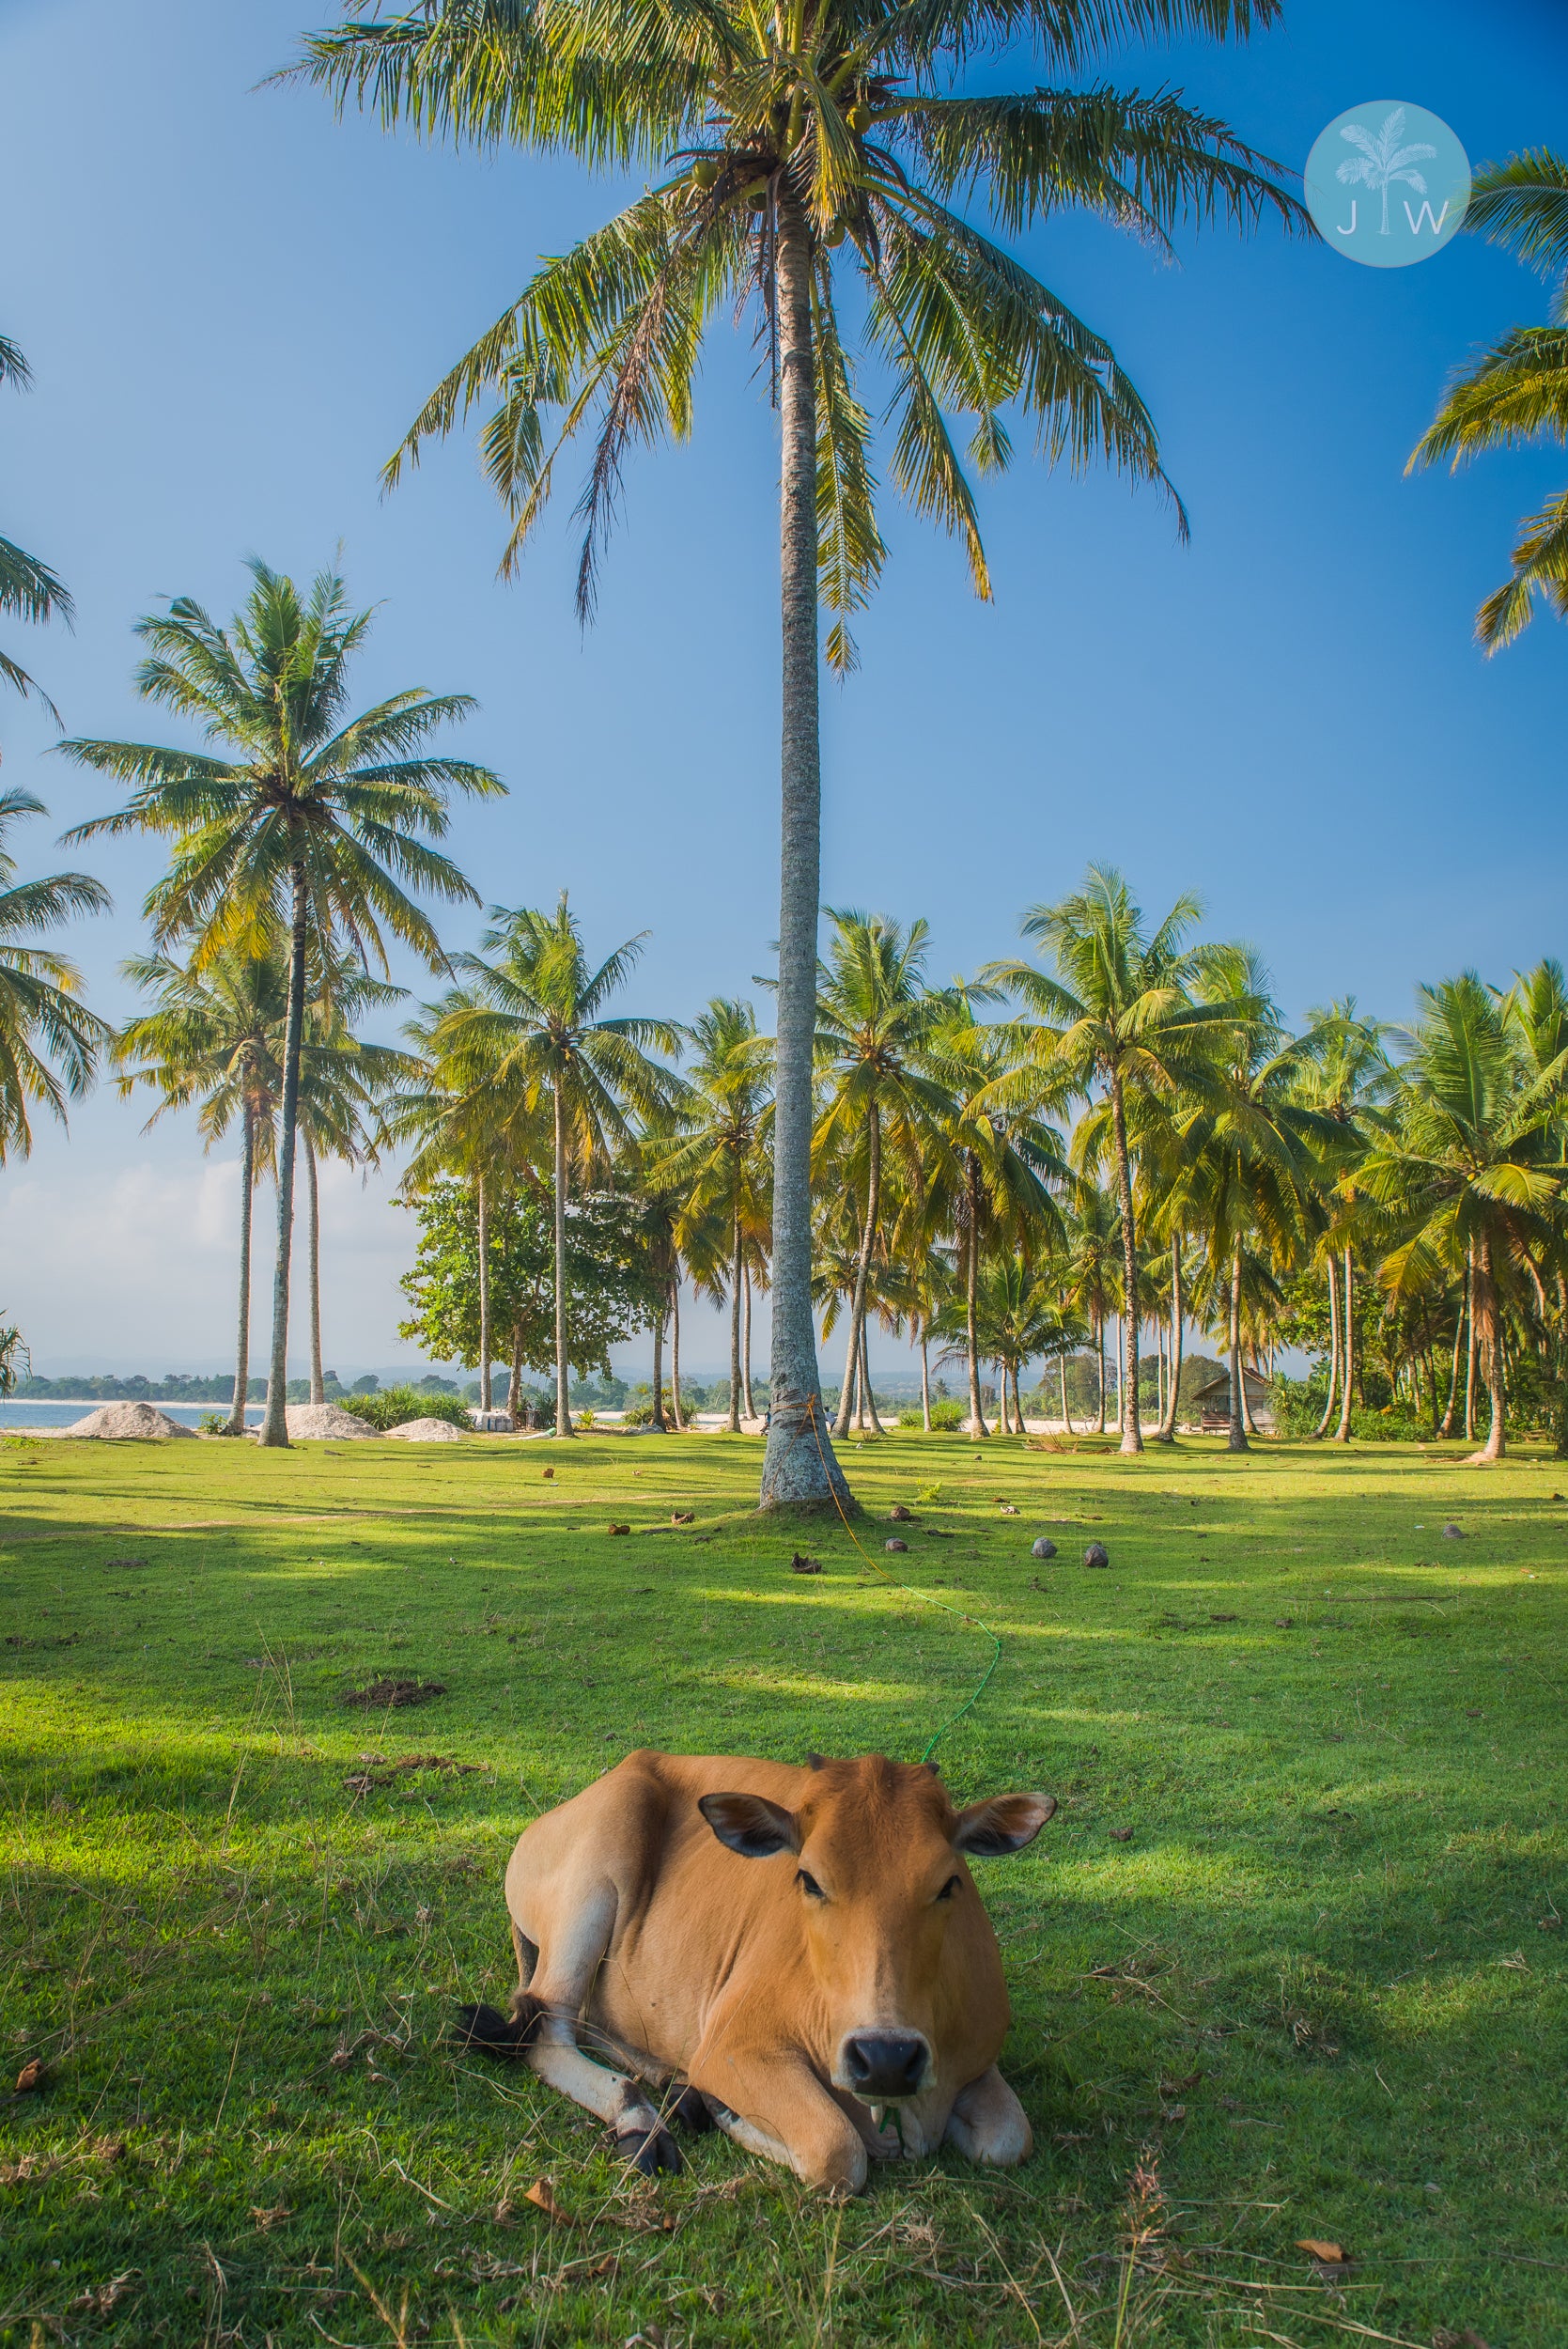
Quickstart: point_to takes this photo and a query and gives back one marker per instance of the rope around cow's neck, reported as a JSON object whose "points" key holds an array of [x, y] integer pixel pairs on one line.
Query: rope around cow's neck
{"points": [[915, 1592]]}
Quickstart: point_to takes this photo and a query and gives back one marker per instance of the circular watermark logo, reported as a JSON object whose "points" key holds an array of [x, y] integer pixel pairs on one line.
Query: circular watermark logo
{"points": [[1387, 183]]}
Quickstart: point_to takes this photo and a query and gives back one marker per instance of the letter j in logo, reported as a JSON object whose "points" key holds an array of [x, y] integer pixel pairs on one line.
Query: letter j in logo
{"points": [[1387, 183]]}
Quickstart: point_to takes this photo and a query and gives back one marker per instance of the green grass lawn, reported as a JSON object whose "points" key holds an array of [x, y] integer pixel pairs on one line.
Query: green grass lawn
{"points": [[1287, 1964]]}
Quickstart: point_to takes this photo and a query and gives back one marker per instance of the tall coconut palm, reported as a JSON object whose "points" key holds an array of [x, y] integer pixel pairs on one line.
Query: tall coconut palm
{"points": [[1345, 1075], [1253, 1145], [345, 1086], [460, 1125], [1517, 391], [1117, 1017], [301, 818], [795, 149], [1474, 1163], [533, 1023], [876, 1024], [49, 1040], [214, 1037], [29, 589], [1005, 1163], [715, 1160]]}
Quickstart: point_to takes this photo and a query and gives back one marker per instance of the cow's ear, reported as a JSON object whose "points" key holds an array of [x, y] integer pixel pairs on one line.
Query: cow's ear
{"points": [[1005, 1824], [751, 1825]]}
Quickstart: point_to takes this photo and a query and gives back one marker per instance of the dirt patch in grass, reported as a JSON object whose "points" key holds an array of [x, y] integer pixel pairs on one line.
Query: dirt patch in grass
{"points": [[387, 1692]]}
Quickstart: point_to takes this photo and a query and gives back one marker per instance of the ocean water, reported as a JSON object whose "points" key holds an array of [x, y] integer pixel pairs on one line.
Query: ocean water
{"points": [[20, 1416]]}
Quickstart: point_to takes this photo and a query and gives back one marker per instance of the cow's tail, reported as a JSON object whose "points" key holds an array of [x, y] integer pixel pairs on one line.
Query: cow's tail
{"points": [[485, 2028]]}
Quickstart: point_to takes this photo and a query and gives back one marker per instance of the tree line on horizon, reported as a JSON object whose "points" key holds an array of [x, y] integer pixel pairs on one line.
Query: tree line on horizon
{"points": [[1113, 1126], [303, 839]]}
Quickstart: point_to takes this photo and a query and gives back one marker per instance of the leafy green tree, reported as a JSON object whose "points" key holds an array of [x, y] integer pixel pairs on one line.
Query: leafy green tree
{"points": [[29, 590], [345, 1085], [610, 1286], [1344, 1075], [1516, 393], [795, 151], [214, 1038], [1117, 1017], [50, 1041], [304, 818], [1019, 1316], [1473, 1167], [876, 1025], [1253, 1147], [714, 1159], [532, 1024], [1004, 1164]]}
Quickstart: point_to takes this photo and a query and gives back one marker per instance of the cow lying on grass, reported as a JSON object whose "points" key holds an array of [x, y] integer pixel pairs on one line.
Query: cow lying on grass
{"points": [[787, 1951]]}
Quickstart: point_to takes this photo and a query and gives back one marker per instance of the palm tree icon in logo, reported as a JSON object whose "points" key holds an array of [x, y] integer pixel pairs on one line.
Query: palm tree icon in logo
{"points": [[1382, 160]]}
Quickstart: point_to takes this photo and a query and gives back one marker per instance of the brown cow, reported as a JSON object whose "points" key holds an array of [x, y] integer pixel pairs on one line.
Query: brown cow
{"points": [[803, 1947]]}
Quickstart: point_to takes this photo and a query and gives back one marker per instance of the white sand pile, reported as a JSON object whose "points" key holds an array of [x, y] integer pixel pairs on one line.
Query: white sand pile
{"points": [[427, 1431], [323, 1419], [128, 1421]]}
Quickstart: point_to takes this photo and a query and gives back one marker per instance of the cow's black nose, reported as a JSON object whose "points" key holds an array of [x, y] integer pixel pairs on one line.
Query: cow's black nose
{"points": [[881, 2063]]}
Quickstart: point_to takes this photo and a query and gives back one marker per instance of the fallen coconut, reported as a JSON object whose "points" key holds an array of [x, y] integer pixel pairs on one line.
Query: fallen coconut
{"points": [[895, 1544], [1096, 1555], [1043, 1548]]}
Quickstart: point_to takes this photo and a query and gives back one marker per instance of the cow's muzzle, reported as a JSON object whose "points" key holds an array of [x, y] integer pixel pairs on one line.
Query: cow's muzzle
{"points": [[881, 2066]]}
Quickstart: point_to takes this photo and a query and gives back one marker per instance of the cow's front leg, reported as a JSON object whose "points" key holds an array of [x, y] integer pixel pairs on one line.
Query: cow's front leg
{"points": [[988, 2124], [775, 2106], [567, 1963]]}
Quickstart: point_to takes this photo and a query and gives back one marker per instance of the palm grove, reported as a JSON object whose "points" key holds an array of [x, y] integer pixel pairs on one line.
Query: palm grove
{"points": [[1114, 1124]]}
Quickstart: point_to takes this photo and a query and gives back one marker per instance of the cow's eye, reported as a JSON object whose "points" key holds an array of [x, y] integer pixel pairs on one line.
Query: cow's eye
{"points": [[952, 1885], [809, 1885]]}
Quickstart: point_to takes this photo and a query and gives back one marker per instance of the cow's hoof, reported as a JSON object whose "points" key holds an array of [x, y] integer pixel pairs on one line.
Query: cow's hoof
{"points": [[688, 2110], [650, 2151]]}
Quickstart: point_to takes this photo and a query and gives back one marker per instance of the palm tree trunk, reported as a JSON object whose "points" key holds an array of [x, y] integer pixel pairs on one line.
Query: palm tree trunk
{"points": [[971, 1289], [868, 1238], [924, 1378], [1018, 1404], [1066, 1415], [1247, 1419], [677, 1404], [563, 1413], [1471, 1349], [868, 1400], [798, 1464], [514, 1383], [1121, 1373], [657, 1420], [274, 1425], [1173, 1363], [746, 1339], [318, 1383], [736, 1277], [1322, 1427], [1099, 1340], [485, 1340], [1132, 1432], [1236, 1440], [1493, 1360], [1460, 1316], [247, 1194], [1347, 1347]]}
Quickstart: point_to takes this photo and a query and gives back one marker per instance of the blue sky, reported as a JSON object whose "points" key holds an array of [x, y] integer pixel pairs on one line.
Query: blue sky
{"points": [[234, 304]]}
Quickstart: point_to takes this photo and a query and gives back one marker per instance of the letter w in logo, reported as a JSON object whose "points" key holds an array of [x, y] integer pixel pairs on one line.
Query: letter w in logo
{"points": [[1434, 221]]}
